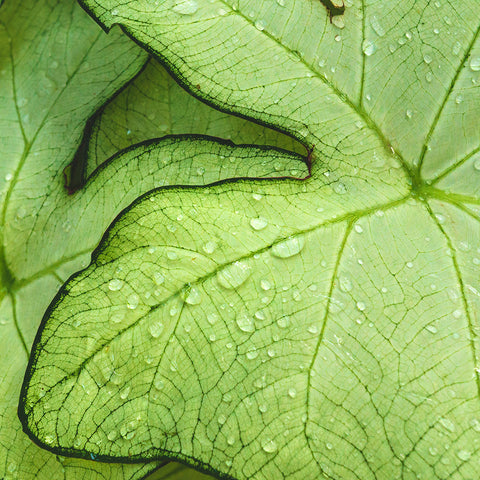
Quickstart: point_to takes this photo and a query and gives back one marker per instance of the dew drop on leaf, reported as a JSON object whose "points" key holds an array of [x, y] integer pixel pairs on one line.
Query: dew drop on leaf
{"points": [[475, 64], [234, 275], [185, 7], [289, 247], [245, 323], [115, 284], [258, 223], [269, 446]]}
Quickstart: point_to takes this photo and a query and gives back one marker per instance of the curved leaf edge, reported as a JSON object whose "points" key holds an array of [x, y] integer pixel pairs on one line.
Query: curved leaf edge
{"points": [[192, 89], [103, 244]]}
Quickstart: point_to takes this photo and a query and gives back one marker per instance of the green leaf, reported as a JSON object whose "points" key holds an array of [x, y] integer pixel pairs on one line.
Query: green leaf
{"points": [[286, 328], [58, 67], [53, 76], [154, 105]]}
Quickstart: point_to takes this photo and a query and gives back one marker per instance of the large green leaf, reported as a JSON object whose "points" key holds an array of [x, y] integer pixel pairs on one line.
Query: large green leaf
{"points": [[154, 105], [57, 67], [53, 74], [289, 329]]}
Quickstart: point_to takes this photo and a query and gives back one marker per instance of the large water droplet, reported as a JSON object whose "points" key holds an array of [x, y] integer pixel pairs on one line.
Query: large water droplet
{"points": [[475, 64], [232, 276], [258, 223], [289, 247], [185, 7], [192, 296], [368, 48], [156, 329], [245, 323], [269, 445]]}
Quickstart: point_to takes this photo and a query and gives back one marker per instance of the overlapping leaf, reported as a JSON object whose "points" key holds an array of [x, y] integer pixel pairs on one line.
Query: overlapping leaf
{"points": [[57, 67], [290, 329], [154, 105]]}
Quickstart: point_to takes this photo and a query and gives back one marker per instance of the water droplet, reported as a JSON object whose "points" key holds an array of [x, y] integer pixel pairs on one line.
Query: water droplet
{"points": [[245, 323], [292, 393], [409, 114], [431, 329], [464, 455], [49, 439], [476, 165], [289, 247], [262, 408], [361, 306], [265, 285], [212, 318], [233, 275], [377, 27], [221, 419], [209, 247], [172, 255], [252, 353], [429, 76], [313, 329], [8, 177], [368, 48], [124, 393], [433, 451], [115, 284], [156, 329], [283, 322], [475, 64], [269, 446], [260, 315], [448, 424], [230, 440], [340, 188], [112, 435], [185, 7], [409, 264], [345, 284], [260, 25], [358, 228], [127, 431], [192, 296], [459, 99], [257, 196], [258, 223], [329, 446], [133, 301]]}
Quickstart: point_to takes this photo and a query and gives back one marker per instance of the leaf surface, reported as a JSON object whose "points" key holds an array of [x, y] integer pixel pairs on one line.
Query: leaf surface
{"points": [[284, 328], [154, 105]]}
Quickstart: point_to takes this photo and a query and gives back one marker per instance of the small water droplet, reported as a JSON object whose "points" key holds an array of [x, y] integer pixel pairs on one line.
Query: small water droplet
{"points": [[221, 419], [260, 25], [409, 114], [233, 275], [464, 455], [49, 439], [431, 329], [358, 228], [283, 322], [156, 329], [329, 446], [448, 424], [475, 64], [230, 440], [209, 247], [361, 306], [124, 393], [192, 296], [252, 353], [345, 284], [368, 48], [212, 318], [265, 284], [313, 329], [260, 315], [257, 196], [377, 27], [245, 323], [132, 301], [258, 223], [289, 247], [185, 7], [112, 435], [292, 393], [115, 284], [476, 165], [269, 446]]}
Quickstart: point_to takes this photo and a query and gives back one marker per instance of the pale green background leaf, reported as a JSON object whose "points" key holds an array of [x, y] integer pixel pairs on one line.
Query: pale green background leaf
{"points": [[291, 329], [154, 105]]}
